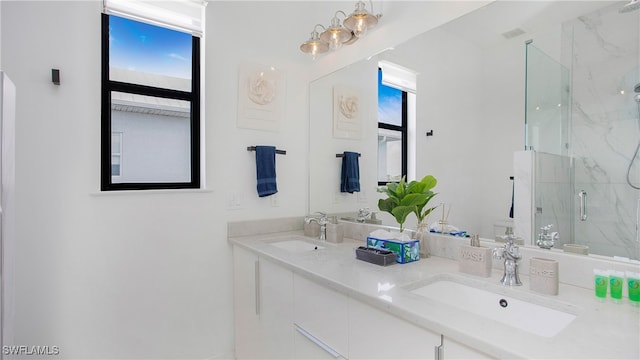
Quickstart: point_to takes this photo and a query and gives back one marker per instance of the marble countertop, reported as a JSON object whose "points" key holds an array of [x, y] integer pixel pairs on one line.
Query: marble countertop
{"points": [[604, 330]]}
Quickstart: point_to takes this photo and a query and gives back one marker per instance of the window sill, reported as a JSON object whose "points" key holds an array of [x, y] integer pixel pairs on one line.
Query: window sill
{"points": [[150, 192]]}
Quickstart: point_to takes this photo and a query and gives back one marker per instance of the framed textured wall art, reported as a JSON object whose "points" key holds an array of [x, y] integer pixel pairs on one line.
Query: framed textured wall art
{"points": [[346, 113], [260, 97]]}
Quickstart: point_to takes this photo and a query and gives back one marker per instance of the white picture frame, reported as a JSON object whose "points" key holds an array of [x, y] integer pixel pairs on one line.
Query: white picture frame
{"points": [[347, 109], [261, 93]]}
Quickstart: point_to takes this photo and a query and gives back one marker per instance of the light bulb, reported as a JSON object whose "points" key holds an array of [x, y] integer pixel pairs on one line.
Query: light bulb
{"points": [[335, 42], [361, 26]]}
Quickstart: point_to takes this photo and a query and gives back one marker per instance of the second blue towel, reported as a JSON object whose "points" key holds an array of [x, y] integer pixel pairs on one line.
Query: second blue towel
{"points": [[350, 178]]}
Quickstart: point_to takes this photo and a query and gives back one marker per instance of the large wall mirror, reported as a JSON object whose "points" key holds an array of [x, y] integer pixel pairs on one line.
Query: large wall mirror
{"points": [[470, 94]]}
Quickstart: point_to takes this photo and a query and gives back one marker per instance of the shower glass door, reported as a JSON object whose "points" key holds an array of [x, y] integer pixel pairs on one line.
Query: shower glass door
{"points": [[547, 103], [547, 133]]}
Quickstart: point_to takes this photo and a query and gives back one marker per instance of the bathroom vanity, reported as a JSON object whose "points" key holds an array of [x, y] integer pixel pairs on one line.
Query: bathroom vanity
{"points": [[297, 297]]}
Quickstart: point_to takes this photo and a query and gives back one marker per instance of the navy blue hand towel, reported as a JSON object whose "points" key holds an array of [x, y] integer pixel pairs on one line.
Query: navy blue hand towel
{"points": [[350, 178], [266, 170]]}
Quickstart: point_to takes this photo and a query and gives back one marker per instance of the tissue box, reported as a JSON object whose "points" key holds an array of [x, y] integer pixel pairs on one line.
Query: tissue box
{"points": [[407, 251]]}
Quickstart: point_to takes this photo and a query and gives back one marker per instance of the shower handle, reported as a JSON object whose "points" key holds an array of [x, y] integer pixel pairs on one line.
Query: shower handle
{"points": [[583, 205]]}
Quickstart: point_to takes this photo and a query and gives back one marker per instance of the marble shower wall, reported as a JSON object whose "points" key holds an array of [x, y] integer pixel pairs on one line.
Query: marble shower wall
{"points": [[602, 50]]}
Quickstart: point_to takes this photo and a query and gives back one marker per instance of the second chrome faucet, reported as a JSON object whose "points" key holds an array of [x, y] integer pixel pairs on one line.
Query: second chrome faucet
{"points": [[510, 252]]}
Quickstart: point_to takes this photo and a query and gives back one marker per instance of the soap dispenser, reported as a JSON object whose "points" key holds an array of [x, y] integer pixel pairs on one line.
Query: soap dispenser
{"points": [[335, 230], [474, 259], [374, 220]]}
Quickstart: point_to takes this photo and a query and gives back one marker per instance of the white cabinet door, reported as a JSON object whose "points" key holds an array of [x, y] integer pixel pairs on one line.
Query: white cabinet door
{"points": [[263, 298], [245, 294], [456, 350], [376, 334], [276, 302], [320, 319]]}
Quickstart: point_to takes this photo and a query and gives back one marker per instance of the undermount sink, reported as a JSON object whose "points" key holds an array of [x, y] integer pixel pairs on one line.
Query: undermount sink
{"points": [[295, 245], [524, 315]]}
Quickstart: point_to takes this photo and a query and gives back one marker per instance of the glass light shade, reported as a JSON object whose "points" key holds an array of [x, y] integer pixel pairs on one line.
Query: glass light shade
{"points": [[335, 36], [360, 20], [314, 45]]}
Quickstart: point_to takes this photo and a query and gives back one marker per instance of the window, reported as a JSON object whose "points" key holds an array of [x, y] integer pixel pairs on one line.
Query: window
{"points": [[392, 132], [151, 100]]}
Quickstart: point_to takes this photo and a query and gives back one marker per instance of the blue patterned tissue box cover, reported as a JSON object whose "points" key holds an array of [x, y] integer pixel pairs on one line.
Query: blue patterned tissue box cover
{"points": [[407, 251]]}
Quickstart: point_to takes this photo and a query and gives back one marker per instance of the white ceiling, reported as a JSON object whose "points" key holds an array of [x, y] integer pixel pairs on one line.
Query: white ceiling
{"points": [[485, 26]]}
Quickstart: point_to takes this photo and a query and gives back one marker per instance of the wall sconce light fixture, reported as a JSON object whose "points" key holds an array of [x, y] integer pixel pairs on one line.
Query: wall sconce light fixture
{"points": [[314, 45], [335, 35], [360, 20]]}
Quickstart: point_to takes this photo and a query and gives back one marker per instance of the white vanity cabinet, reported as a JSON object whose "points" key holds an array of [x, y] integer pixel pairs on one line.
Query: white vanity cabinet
{"points": [[263, 299], [280, 314], [320, 321]]}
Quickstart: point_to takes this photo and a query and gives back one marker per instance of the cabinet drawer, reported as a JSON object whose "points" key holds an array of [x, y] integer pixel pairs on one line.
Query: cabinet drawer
{"points": [[321, 312], [456, 350], [376, 334]]}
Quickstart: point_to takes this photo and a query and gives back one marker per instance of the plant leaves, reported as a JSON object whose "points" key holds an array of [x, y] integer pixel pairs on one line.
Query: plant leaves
{"points": [[414, 200], [401, 213], [387, 205], [429, 181]]}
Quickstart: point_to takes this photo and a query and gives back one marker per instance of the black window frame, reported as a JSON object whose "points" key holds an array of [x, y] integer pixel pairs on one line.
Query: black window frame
{"points": [[403, 129], [193, 97]]}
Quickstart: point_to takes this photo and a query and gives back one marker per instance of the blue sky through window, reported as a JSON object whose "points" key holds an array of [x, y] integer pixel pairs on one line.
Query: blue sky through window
{"points": [[147, 48], [389, 103]]}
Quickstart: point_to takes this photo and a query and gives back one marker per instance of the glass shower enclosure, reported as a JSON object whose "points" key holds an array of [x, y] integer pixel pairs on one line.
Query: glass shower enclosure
{"points": [[583, 124]]}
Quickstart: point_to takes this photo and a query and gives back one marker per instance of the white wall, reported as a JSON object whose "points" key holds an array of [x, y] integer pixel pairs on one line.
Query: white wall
{"points": [[449, 73], [135, 275], [465, 152], [110, 276], [502, 128]]}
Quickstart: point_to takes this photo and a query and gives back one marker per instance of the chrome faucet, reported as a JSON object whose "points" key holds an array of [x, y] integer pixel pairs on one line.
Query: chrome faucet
{"points": [[363, 214], [322, 220], [510, 252], [547, 239]]}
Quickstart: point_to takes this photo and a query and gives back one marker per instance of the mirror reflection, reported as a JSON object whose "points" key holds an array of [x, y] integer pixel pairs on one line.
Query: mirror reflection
{"points": [[484, 92]]}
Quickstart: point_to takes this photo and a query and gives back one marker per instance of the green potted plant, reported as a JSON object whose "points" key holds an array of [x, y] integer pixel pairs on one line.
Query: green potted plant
{"points": [[403, 199]]}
